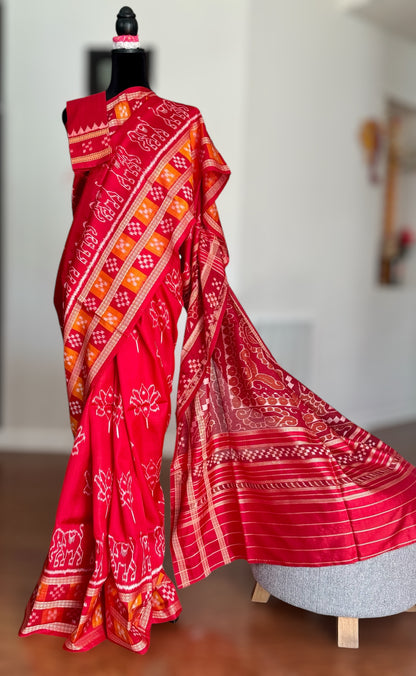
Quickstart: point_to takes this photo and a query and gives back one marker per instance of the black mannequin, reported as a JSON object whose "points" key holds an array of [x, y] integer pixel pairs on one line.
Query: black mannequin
{"points": [[129, 67]]}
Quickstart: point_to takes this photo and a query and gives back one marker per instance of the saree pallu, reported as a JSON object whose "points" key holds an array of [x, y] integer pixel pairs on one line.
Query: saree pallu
{"points": [[263, 468]]}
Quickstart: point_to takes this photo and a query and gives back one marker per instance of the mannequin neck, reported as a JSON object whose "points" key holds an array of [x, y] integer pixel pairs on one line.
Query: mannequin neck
{"points": [[128, 69]]}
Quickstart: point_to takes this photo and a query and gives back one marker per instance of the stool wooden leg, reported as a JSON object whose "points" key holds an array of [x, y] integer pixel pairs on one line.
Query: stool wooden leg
{"points": [[260, 595], [348, 632]]}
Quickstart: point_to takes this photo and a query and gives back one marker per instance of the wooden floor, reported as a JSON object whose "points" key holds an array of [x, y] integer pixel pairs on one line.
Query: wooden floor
{"points": [[220, 631]]}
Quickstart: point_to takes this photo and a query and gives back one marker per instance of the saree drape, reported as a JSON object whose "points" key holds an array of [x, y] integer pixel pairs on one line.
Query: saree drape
{"points": [[263, 468]]}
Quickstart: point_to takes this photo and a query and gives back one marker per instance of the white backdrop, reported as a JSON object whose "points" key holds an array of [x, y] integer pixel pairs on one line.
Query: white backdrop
{"points": [[283, 88]]}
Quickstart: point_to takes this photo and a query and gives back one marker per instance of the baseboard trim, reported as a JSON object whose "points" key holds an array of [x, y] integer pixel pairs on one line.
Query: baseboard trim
{"points": [[58, 440], [36, 440]]}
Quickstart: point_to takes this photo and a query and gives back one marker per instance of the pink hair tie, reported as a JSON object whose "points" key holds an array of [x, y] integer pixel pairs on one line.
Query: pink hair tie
{"points": [[126, 42]]}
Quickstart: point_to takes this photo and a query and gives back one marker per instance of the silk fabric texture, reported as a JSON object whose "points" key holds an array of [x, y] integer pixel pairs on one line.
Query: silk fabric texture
{"points": [[263, 468]]}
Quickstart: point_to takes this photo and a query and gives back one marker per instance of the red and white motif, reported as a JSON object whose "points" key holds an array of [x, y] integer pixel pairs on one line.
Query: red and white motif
{"points": [[145, 401], [146, 559], [171, 113], [107, 205], [98, 561], [147, 137], [152, 472], [79, 440], [123, 563], [104, 483], [174, 284], [109, 405], [87, 490], [160, 316], [66, 549], [159, 541], [126, 494]]}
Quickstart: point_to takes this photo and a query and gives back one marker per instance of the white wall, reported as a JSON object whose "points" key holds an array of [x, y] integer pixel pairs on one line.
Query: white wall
{"points": [[283, 87], [199, 51], [312, 221]]}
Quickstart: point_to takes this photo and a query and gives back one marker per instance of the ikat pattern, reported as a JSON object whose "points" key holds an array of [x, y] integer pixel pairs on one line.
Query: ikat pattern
{"points": [[264, 470], [162, 210], [126, 493], [144, 401], [123, 563], [67, 551], [104, 485], [109, 405]]}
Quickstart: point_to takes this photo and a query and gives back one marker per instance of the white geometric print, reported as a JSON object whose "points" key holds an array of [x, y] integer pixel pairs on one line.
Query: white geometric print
{"points": [[122, 299], [75, 408], [75, 340], [112, 265], [157, 193], [167, 225], [91, 304], [99, 337], [179, 162], [187, 192], [145, 261], [134, 229]]}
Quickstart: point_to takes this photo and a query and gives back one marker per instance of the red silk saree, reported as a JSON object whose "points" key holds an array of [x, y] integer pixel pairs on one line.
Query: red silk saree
{"points": [[263, 468]]}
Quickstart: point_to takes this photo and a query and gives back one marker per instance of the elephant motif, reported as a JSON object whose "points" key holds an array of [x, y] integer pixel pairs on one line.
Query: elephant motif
{"points": [[87, 244], [106, 210], [122, 560], [66, 548], [126, 168], [99, 556], [171, 113], [148, 137], [147, 561]]}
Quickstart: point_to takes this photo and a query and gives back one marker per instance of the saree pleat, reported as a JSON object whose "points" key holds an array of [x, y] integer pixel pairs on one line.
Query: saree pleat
{"points": [[104, 575]]}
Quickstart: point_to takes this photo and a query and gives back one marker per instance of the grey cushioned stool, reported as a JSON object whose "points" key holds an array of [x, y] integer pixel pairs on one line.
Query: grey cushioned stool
{"points": [[383, 585]]}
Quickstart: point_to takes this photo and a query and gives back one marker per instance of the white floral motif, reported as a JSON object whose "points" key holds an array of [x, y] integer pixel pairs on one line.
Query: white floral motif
{"points": [[79, 439], [144, 401], [126, 494], [104, 482], [88, 485], [174, 284], [152, 472], [109, 404], [135, 336], [160, 316]]}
